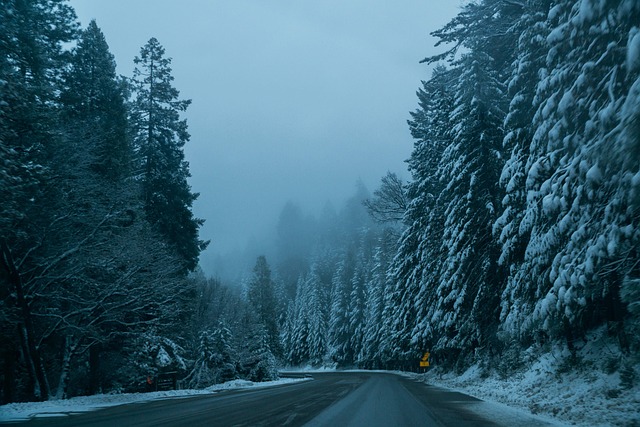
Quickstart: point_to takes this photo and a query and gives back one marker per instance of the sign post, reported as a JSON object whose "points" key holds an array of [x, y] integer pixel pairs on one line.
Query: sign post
{"points": [[424, 363]]}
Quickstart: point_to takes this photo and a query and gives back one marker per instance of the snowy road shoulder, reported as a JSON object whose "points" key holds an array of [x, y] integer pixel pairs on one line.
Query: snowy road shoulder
{"points": [[583, 397], [58, 408]]}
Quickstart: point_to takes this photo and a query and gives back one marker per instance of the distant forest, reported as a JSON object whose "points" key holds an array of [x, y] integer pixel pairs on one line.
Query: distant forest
{"points": [[518, 230]]}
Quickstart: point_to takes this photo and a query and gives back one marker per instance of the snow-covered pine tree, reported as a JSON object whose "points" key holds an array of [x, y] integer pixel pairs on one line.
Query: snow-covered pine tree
{"points": [[263, 364], [262, 298], [286, 332], [357, 308], [339, 351], [202, 373], [299, 325], [257, 361], [430, 126], [375, 291], [144, 357], [308, 335], [215, 360], [455, 287], [508, 230], [468, 285], [317, 312], [581, 188]]}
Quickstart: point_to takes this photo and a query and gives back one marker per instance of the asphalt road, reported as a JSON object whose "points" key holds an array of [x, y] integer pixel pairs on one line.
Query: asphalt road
{"points": [[332, 399]]}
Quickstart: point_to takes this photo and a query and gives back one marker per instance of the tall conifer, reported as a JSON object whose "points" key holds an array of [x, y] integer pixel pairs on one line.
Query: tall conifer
{"points": [[159, 136]]}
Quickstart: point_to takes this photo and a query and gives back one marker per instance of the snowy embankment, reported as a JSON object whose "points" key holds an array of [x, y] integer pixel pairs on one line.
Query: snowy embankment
{"points": [[593, 393], [56, 408]]}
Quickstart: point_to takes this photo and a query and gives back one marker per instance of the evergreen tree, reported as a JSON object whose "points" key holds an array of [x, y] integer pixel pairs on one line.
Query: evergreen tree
{"points": [[376, 291], [93, 101], [257, 361], [509, 229], [261, 296], [468, 283], [215, 359], [446, 281], [299, 345], [159, 138], [357, 309], [308, 322], [317, 318], [415, 269], [339, 332], [582, 225]]}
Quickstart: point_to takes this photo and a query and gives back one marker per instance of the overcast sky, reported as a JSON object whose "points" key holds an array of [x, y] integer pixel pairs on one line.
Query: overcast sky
{"points": [[292, 99]]}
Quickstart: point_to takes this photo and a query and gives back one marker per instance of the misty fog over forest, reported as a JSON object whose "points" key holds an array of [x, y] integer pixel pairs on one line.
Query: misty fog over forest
{"points": [[291, 101], [234, 188]]}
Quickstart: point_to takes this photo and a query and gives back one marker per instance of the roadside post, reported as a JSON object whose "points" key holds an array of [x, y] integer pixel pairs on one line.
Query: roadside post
{"points": [[424, 362]]}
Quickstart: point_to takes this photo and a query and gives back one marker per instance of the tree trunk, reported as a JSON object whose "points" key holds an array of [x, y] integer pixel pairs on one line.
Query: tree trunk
{"points": [[94, 369], [65, 367], [9, 369], [37, 376]]}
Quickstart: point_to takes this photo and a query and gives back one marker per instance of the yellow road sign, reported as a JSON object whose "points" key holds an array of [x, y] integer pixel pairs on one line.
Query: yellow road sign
{"points": [[424, 364], [426, 356]]}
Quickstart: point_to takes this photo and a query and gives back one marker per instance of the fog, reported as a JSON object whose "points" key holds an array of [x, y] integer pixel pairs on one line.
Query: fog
{"points": [[292, 100]]}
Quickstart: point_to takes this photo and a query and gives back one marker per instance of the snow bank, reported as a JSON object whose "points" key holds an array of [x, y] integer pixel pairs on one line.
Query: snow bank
{"points": [[57, 408], [590, 395], [309, 369]]}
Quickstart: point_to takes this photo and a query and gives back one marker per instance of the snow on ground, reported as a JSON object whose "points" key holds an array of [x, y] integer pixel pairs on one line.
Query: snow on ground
{"points": [[56, 408], [596, 394], [308, 369]]}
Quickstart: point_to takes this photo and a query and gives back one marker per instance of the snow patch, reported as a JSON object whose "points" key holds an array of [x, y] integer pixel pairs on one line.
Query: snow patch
{"points": [[586, 12], [594, 174], [633, 50], [566, 103], [163, 359], [554, 12], [591, 393]]}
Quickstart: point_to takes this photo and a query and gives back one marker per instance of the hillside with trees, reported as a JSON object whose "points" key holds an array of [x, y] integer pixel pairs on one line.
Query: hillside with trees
{"points": [[520, 223]]}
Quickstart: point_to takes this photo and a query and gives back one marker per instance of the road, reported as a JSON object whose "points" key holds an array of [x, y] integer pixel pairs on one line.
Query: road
{"points": [[332, 399]]}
